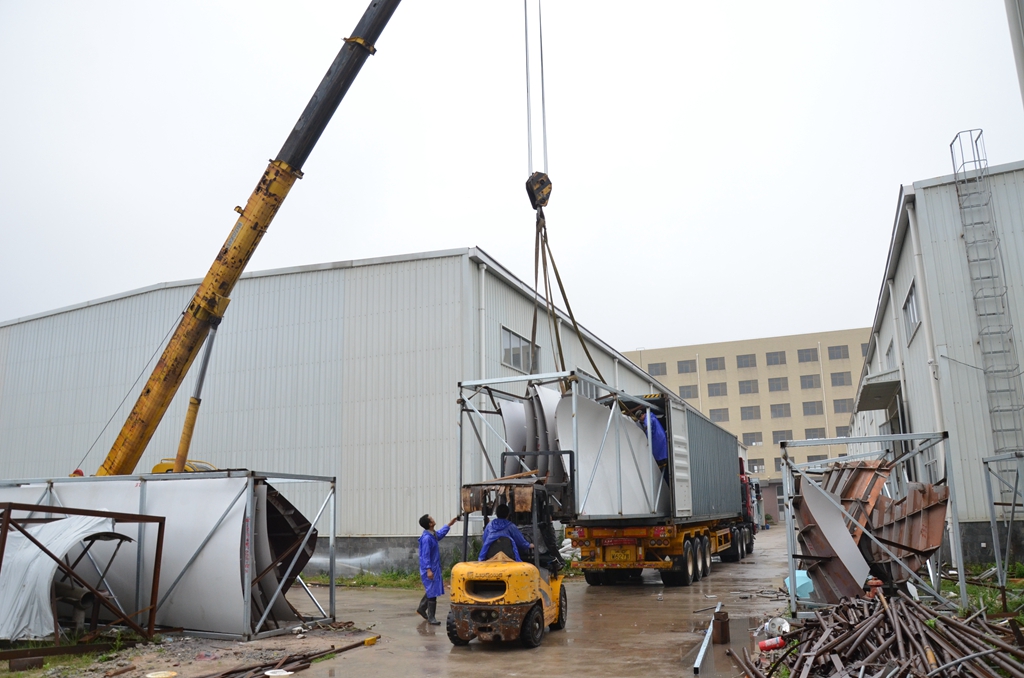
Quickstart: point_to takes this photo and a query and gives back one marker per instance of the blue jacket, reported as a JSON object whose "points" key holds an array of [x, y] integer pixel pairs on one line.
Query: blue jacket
{"points": [[499, 527], [659, 443], [430, 559]]}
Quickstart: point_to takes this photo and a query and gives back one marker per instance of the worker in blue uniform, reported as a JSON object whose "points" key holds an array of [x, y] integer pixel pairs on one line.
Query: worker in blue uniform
{"points": [[501, 526], [659, 442], [430, 566]]}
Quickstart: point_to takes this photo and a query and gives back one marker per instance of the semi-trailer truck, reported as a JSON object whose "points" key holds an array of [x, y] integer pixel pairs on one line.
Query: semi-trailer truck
{"points": [[620, 509]]}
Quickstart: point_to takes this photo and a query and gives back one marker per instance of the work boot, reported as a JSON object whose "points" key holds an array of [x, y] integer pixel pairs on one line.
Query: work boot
{"points": [[431, 609], [422, 609]]}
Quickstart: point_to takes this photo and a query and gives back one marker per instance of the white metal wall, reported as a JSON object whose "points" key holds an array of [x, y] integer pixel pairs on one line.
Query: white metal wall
{"points": [[962, 385], [346, 370]]}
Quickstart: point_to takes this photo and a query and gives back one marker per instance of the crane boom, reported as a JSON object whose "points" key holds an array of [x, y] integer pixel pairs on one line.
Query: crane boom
{"points": [[211, 298]]}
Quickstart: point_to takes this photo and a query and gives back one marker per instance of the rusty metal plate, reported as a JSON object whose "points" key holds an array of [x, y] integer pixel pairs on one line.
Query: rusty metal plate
{"points": [[858, 486], [912, 527]]}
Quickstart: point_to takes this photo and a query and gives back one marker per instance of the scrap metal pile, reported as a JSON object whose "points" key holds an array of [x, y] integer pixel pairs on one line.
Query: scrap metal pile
{"points": [[882, 638], [837, 553]]}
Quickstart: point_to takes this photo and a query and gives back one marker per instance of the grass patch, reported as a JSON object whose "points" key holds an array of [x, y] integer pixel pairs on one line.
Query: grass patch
{"points": [[69, 665], [324, 658], [989, 598]]}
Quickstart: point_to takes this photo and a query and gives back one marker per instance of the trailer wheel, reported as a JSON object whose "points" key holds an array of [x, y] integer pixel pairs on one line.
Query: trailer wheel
{"points": [[689, 564], [732, 554], [593, 577], [698, 559], [563, 610], [750, 540], [706, 565], [741, 543]]}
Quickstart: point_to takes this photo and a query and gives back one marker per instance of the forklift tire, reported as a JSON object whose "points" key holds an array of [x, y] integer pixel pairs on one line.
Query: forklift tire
{"points": [[563, 610], [453, 631], [706, 565], [698, 559], [593, 577], [533, 627]]}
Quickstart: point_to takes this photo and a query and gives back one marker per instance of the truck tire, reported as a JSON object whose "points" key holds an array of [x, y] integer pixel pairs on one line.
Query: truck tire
{"points": [[453, 631], [732, 554], [689, 564], [750, 540], [563, 610], [593, 577], [533, 627], [698, 559], [706, 565], [741, 542]]}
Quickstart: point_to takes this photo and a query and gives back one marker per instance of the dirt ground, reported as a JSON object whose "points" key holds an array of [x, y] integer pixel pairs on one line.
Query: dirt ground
{"points": [[642, 628]]}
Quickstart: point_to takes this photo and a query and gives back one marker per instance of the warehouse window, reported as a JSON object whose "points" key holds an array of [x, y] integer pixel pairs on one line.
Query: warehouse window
{"points": [[751, 439], [814, 407], [716, 389], [807, 355], [816, 457], [748, 386], [814, 433], [890, 357], [750, 413], [714, 364], [515, 351], [810, 381], [781, 411], [755, 465], [863, 350], [657, 369], [778, 469], [838, 352], [778, 384], [779, 436], [748, 360], [910, 316], [842, 432], [842, 405], [687, 392], [721, 414], [775, 358], [842, 379], [686, 366]]}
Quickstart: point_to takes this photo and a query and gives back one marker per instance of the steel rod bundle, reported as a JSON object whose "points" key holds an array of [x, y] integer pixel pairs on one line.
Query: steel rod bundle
{"points": [[882, 638]]}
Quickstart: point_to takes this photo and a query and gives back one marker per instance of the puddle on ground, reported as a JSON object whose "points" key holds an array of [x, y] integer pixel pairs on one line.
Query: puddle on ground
{"points": [[716, 662]]}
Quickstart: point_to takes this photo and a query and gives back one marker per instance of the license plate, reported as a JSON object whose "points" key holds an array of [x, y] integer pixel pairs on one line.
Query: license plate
{"points": [[619, 554]]}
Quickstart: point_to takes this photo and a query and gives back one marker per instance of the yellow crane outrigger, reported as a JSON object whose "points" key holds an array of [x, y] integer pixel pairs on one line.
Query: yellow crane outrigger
{"points": [[207, 307]]}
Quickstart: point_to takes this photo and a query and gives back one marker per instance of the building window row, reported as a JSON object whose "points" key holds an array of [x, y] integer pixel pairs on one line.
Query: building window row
{"points": [[804, 355], [775, 385], [755, 438]]}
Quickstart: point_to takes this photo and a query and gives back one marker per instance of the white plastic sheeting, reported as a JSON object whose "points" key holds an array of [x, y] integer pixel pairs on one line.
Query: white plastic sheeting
{"points": [[27, 573]]}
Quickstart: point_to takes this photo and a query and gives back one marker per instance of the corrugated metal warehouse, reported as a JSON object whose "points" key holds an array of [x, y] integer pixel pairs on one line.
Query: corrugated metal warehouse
{"points": [[926, 366], [347, 369]]}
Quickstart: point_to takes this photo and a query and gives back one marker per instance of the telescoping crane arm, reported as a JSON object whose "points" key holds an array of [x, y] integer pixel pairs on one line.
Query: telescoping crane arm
{"points": [[211, 298]]}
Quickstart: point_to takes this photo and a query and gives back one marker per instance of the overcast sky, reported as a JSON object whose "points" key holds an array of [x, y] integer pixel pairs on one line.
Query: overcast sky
{"points": [[721, 170]]}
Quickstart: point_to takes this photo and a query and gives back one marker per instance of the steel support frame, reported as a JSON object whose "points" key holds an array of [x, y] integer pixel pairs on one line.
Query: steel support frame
{"points": [[1003, 561], [248, 561], [927, 441], [8, 522]]}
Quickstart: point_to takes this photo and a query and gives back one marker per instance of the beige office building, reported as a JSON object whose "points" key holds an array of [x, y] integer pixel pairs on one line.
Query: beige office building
{"points": [[767, 390]]}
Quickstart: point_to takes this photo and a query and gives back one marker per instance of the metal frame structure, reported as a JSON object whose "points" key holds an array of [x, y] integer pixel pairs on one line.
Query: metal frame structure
{"points": [[469, 412], [48, 501], [9, 522], [925, 442], [1002, 557]]}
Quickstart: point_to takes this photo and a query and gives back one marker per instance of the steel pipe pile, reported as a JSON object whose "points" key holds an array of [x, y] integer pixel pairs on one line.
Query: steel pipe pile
{"points": [[880, 638]]}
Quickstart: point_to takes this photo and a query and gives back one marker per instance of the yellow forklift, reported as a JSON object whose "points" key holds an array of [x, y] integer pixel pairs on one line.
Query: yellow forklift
{"points": [[500, 598]]}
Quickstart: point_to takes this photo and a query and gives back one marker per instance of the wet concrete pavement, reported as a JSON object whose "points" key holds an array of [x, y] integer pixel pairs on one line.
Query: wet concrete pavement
{"points": [[611, 631]]}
